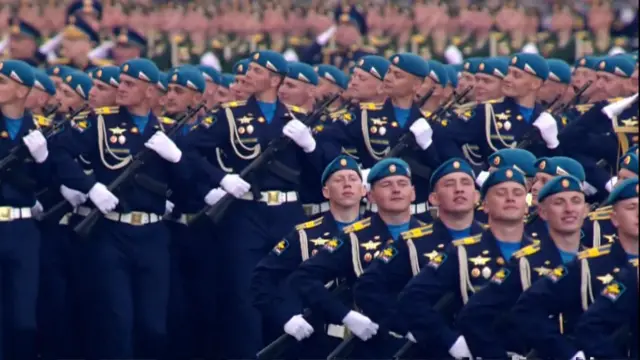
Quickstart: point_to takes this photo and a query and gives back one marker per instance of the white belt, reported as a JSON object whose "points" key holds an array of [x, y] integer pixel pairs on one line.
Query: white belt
{"points": [[134, 218], [80, 210], [416, 209], [336, 331], [315, 209], [274, 197], [8, 213]]}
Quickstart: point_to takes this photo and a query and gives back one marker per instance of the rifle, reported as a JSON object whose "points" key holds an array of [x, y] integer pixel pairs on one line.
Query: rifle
{"points": [[408, 140], [216, 211], [14, 153], [84, 227]]}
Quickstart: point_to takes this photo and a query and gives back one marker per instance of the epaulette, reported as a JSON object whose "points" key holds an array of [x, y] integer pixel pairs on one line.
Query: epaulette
{"points": [[107, 110], [594, 252], [583, 108], [101, 62], [41, 121], [207, 121], [497, 35], [297, 109], [310, 224], [581, 35], [418, 232], [60, 61], [418, 38], [336, 114], [527, 250], [178, 38], [620, 41], [496, 101], [371, 106], [257, 37], [471, 240], [456, 40], [233, 104], [167, 121], [600, 215], [543, 35], [346, 117], [614, 100], [359, 225], [81, 116]]}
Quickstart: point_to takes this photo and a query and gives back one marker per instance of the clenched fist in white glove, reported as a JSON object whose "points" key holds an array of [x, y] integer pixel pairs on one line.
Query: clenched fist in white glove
{"points": [[482, 177], [360, 325], [548, 127], [168, 207], [37, 145], [611, 183], [579, 356], [164, 147], [298, 327], [411, 338], [422, 132], [235, 185], [214, 196], [73, 197], [615, 109], [37, 210], [300, 134], [365, 175], [102, 198], [460, 350]]}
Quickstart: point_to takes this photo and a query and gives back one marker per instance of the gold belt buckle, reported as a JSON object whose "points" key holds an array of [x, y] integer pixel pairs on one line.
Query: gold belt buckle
{"points": [[136, 218], [273, 198], [5, 213]]}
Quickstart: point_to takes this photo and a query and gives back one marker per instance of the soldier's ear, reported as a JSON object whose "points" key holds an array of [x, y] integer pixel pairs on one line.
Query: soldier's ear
{"points": [[325, 192], [542, 212], [433, 199], [22, 92]]}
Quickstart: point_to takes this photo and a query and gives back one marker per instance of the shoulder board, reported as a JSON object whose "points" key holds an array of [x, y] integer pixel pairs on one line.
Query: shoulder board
{"points": [[167, 121], [107, 110], [207, 121], [370, 106], [82, 115], [456, 40], [178, 38], [634, 262], [608, 209], [620, 41], [594, 252], [233, 104], [418, 232], [297, 109], [614, 100], [359, 225], [496, 101], [41, 121], [527, 250], [600, 215], [310, 224], [101, 62], [471, 240], [497, 35], [418, 38], [583, 108], [582, 35], [337, 113], [60, 61]]}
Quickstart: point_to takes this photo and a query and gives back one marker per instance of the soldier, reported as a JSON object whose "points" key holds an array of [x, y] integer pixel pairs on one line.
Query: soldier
{"points": [[158, 99], [553, 305], [78, 39], [598, 41], [562, 206], [57, 73], [20, 259], [43, 94], [23, 43], [239, 88], [504, 197], [212, 77], [366, 80], [122, 131], [556, 90], [377, 289], [561, 41], [342, 186], [224, 93], [467, 78], [89, 10], [330, 81], [129, 44], [438, 80], [106, 80], [489, 79]]}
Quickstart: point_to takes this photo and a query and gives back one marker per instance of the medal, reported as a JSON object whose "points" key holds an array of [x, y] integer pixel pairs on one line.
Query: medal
{"points": [[374, 130], [394, 124], [4, 134], [475, 272], [261, 119], [486, 272], [241, 130], [507, 125], [122, 139], [500, 261], [382, 130], [368, 257], [134, 130], [113, 139], [250, 129]]}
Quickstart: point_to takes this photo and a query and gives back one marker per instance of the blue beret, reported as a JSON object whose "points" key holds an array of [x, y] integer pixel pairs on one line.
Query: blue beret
{"points": [[589, 62], [626, 189], [163, 81], [80, 82], [18, 26], [561, 165], [333, 74], [452, 75], [189, 77], [59, 70], [449, 167], [342, 162], [533, 64], [43, 82], [126, 35], [209, 73], [438, 73], [559, 184], [271, 60], [632, 59], [351, 15], [457, 67], [241, 67], [388, 167], [18, 71], [630, 162], [471, 65], [78, 28], [494, 67], [85, 6], [302, 72], [142, 69], [502, 175], [616, 65], [559, 71], [411, 63], [226, 80], [374, 65], [519, 159], [107, 74]]}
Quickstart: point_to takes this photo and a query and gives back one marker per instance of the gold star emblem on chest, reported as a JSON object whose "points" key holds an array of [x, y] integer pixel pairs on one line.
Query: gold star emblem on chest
{"points": [[117, 131], [432, 255], [605, 279], [542, 271], [245, 120], [630, 122], [319, 241], [371, 245], [378, 121], [503, 116], [479, 260]]}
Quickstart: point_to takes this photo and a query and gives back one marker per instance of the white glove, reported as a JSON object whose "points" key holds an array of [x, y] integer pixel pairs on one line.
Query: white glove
{"points": [[548, 129], [300, 134], [168, 207], [589, 189], [365, 175], [460, 350], [515, 356], [73, 197], [214, 196], [103, 199], [615, 109], [422, 132], [235, 185], [37, 145], [324, 38], [360, 325], [102, 51], [611, 183], [411, 338], [164, 147], [579, 356], [37, 210], [482, 177], [298, 327], [51, 44]]}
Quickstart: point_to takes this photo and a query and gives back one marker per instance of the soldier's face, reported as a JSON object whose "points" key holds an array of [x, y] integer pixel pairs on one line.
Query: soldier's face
{"points": [[393, 194], [347, 35], [488, 87], [519, 83], [625, 217], [344, 189], [610, 85], [296, 92], [624, 174], [551, 90], [364, 86], [238, 91], [37, 99], [57, 81], [506, 202], [158, 98], [68, 98], [583, 75], [326, 88], [179, 98], [102, 94], [455, 194], [76, 47], [467, 80], [124, 52], [564, 212], [634, 78], [224, 95], [400, 83], [259, 79], [539, 181], [22, 46], [132, 91], [210, 93]]}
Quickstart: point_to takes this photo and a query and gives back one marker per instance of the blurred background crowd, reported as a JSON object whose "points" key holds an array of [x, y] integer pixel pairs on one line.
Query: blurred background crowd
{"points": [[219, 32]]}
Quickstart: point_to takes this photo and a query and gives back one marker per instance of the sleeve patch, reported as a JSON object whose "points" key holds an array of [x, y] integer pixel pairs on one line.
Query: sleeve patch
{"points": [[333, 245], [280, 247], [614, 290], [388, 254], [437, 260], [500, 276], [558, 273]]}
